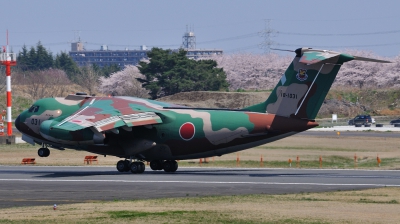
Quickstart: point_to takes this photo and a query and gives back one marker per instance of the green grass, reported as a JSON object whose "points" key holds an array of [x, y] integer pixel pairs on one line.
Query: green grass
{"points": [[195, 217], [177, 216], [218, 209], [365, 200], [136, 214]]}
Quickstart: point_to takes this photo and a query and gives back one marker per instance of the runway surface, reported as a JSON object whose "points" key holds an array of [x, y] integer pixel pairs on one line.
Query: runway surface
{"points": [[351, 134], [48, 185]]}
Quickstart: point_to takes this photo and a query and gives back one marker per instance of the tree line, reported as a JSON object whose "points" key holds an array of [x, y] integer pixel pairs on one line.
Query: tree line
{"points": [[165, 73], [39, 58]]}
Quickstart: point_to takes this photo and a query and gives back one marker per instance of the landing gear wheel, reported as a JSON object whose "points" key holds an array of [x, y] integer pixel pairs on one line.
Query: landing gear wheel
{"points": [[43, 152], [134, 167], [127, 165], [142, 167], [170, 166], [174, 166], [137, 167], [122, 166], [156, 165]]}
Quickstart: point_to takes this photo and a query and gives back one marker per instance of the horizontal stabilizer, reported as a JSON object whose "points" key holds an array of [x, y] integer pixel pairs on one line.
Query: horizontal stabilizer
{"points": [[370, 59]]}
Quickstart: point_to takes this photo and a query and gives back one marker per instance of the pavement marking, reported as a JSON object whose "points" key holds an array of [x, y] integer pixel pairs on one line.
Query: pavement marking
{"points": [[202, 182]]}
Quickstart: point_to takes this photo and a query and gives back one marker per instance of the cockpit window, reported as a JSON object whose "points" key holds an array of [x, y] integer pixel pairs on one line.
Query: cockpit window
{"points": [[33, 109]]}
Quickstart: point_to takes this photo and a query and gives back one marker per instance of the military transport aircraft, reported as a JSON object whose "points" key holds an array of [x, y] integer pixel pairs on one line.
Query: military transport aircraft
{"points": [[141, 130]]}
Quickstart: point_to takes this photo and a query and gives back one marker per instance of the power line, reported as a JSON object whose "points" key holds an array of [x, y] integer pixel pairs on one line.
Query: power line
{"points": [[341, 34], [343, 46], [242, 48], [230, 38]]}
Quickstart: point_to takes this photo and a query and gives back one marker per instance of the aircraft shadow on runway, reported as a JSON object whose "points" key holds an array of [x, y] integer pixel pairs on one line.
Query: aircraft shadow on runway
{"points": [[199, 172]]}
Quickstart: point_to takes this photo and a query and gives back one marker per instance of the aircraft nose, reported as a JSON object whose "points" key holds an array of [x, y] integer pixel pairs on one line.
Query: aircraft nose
{"points": [[17, 121]]}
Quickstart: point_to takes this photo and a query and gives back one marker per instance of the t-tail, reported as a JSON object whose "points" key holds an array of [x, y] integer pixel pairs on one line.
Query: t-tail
{"points": [[302, 89]]}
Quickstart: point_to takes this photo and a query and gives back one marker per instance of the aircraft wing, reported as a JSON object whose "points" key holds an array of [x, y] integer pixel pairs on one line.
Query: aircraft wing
{"points": [[105, 116]]}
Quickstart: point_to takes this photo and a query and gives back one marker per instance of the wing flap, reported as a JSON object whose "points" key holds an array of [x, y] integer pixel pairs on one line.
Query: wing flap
{"points": [[78, 122]]}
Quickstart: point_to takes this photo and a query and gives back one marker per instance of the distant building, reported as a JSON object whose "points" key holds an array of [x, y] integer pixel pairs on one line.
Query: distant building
{"points": [[105, 57], [202, 53]]}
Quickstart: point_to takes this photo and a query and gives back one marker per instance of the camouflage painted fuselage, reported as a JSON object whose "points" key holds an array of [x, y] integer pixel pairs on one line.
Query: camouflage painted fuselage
{"points": [[171, 132], [150, 130]]}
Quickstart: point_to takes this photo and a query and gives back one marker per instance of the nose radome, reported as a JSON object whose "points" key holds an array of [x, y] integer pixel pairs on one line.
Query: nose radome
{"points": [[17, 121]]}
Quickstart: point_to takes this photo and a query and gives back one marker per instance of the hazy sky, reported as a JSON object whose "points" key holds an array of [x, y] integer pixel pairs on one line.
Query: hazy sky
{"points": [[230, 25]]}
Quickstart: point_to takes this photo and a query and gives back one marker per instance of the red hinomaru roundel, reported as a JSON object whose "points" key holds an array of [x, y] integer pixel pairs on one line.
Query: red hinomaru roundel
{"points": [[186, 131]]}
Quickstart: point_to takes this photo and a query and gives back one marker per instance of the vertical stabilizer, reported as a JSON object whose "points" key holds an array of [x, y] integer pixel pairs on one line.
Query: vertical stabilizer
{"points": [[302, 89]]}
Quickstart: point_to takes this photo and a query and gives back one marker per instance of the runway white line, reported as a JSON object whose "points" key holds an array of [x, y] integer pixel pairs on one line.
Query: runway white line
{"points": [[202, 182], [183, 168]]}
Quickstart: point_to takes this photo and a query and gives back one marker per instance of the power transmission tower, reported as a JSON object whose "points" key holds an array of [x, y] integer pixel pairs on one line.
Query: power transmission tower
{"points": [[267, 34]]}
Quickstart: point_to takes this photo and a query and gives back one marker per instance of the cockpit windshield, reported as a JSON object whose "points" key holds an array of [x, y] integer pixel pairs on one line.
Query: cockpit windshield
{"points": [[33, 109]]}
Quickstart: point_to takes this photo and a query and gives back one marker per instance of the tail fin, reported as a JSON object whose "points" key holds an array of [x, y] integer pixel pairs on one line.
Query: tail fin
{"points": [[302, 89]]}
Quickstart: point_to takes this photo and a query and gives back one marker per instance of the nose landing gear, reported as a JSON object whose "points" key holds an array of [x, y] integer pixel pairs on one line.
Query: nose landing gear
{"points": [[44, 151]]}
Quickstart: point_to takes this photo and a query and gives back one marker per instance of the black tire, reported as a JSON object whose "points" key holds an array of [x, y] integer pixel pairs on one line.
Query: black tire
{"points": [[167, 166], [379, 125], [121, 166], [47, 152], [174, 166], [170, 166], [135, 167], [397, 125], [142, 167], [127, 165], [367, 125], [156, 165], [43, 152], [358, 125]]}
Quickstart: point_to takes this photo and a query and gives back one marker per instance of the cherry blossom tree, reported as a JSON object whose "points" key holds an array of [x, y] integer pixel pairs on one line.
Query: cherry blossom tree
{"points": [[262, 72], [124, 82], [252, 71]]}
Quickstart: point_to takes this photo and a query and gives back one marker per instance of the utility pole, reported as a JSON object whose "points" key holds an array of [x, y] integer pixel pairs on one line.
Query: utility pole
{"points": [[267, 34], [8, 59]]}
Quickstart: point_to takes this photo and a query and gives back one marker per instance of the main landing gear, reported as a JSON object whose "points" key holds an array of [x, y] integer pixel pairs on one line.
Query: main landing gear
{"points": [[169, 166], [43, 152], [134, 167]]}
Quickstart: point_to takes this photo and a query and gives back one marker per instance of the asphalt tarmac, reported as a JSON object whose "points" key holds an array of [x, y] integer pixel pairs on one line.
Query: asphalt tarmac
{"points": [[351, 134], [48, 185]]}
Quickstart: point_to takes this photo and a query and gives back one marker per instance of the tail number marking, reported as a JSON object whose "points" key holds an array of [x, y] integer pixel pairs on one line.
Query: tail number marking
{"points": [[289, 95], [35, 121]]}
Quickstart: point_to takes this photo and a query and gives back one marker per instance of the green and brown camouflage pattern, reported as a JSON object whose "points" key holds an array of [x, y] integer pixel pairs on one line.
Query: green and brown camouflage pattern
{"points": [[148, 130]]}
